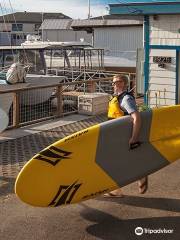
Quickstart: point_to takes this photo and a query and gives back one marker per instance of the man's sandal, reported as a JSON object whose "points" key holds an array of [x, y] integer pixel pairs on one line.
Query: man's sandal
{"points": [[113, 195]]}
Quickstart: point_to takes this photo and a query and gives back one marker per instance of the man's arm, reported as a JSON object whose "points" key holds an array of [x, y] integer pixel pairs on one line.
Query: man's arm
{"points": [[136, 127], [129, 104]]}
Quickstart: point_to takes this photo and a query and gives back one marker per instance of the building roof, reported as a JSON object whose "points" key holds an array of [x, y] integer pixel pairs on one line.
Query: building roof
{"points": [[88, 25], [147, 8], [117, 16], [54, 24], [31, 17], [106, 22]]}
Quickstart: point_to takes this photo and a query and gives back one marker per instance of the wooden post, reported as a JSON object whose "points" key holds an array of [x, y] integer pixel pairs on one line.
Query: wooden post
{"points": [[16, 110], [59, 101], [91, 87]]}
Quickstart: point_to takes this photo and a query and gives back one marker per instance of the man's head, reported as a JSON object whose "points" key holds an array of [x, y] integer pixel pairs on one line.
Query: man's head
{"points": [[120, 82]]}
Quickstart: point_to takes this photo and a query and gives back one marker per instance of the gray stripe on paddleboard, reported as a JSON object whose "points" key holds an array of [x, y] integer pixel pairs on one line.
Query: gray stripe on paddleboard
{"points": [[113, 155]]}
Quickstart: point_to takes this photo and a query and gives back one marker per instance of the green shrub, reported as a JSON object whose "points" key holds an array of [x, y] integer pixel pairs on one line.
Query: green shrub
{"points": [[143, 107]]}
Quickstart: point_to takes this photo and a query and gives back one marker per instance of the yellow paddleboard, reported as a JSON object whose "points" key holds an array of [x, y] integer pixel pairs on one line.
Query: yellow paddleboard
{"points": [[96, 160]]}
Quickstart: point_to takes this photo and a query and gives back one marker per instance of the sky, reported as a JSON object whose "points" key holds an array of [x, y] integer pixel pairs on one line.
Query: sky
{"points": [[77, 9]]}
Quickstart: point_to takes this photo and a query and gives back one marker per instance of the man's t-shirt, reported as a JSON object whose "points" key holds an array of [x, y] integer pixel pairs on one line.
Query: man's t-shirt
{"points": [[128, 103]]}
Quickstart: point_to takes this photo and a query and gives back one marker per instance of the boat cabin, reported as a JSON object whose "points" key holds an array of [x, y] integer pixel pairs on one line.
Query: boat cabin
{"points": [[43, 57]]}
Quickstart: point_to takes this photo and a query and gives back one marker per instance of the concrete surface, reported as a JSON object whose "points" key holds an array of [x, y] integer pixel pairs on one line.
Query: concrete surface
{"points": [[42, 126], [100, 218]]}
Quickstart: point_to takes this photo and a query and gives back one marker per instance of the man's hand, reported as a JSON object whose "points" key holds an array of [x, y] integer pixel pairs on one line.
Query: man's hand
{"points": [[133, 145], [136, 126], [134, 140]]}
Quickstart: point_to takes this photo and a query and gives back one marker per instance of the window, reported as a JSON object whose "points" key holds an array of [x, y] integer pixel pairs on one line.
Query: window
{"points": [[36, 27], [17, 27], [9, 58]]}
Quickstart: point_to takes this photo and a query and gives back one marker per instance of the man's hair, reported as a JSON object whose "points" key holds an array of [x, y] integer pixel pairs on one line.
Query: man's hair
{"points": [[122, 77]]}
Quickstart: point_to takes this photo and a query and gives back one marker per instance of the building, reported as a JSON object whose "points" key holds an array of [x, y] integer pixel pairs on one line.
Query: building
{"points": [[61, 30], [119, 36], [16, 26], [161, 73]]}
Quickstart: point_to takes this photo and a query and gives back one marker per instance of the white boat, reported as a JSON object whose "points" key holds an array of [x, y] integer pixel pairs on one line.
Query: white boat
{"points": [[35, 41], [4, 120], [29, 97], [72, 54], [38, 77], [42, 57], [6, 100], [37, 96]]}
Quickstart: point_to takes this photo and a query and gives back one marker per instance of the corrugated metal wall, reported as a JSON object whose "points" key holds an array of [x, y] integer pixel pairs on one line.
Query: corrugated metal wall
{"points": [[66, 35], [119, 39]]}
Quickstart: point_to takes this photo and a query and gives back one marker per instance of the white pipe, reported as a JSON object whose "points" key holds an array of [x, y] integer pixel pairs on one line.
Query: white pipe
{"points": [[42, 27], [89, 9]]}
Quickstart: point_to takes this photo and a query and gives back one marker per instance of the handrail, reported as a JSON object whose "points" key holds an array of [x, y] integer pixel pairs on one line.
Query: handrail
{"points": [[88, 70], [14, 90], [58, 90]]}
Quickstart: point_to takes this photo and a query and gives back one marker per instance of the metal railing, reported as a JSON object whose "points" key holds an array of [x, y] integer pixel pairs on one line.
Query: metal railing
{"points": [[73, 74], [39, 103]]}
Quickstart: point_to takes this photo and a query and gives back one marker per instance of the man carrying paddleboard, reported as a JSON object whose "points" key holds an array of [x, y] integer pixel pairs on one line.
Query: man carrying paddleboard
{"points": [[123, 103]]}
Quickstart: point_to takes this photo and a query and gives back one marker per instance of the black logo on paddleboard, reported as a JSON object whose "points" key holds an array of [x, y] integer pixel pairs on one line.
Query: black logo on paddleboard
{"points": [[65, 194], [53, 155]]}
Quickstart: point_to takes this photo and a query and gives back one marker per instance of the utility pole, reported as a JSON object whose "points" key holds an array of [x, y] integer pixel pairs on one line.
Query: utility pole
{"points": [[42, 31], [89, 9]]}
